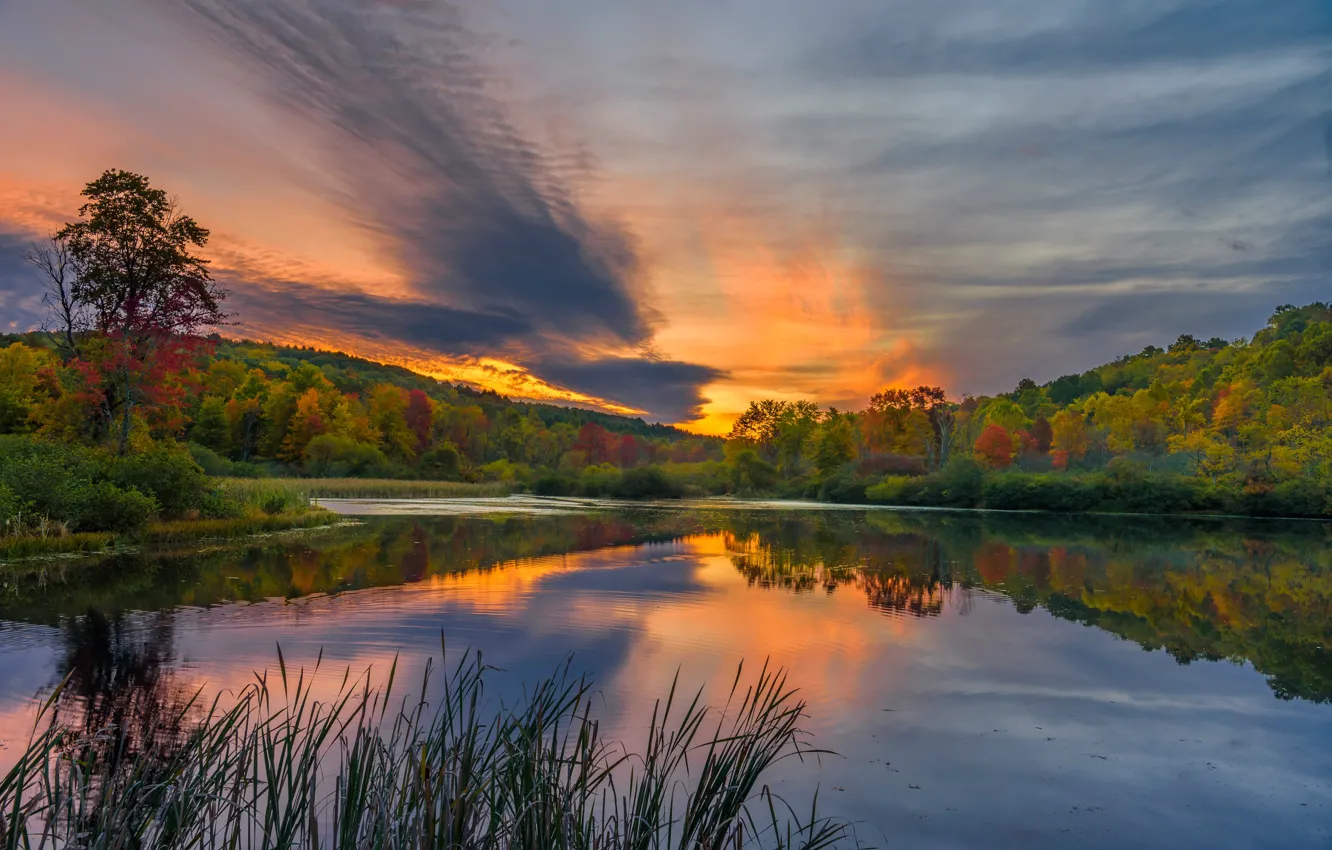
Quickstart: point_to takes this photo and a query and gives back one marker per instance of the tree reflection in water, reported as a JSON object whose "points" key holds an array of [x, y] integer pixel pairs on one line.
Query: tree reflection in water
{"points": [[1197, 589]]}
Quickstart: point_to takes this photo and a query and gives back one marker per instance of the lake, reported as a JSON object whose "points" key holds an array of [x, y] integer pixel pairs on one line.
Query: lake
{"points": [[985, 680]]}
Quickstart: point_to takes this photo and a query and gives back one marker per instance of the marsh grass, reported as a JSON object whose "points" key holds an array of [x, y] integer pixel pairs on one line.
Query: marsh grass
{"points": [[165, 533], [283, 769], [19, 547], [292, 491], [188, 530]]}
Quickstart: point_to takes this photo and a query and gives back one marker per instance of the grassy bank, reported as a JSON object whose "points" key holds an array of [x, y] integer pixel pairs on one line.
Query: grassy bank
{"points": [[163, 533], [283, 769], [292, 491]]}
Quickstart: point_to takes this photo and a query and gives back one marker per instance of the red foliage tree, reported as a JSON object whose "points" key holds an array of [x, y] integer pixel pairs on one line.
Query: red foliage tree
{"points": [[594, 442], [124, 290], [627, 451], [994, 448], [420, 418], [1043, 434]]}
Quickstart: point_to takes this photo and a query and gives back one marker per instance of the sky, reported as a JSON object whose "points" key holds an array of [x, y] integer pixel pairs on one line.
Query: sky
{"points": [[671, 209]]}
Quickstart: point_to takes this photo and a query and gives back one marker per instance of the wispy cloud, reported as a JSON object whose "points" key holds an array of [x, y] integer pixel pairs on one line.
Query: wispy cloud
{"points": [[434, 165]]}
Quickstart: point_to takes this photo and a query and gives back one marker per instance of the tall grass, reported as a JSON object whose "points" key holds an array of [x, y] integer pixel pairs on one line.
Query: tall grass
{"points": [[282, 769], [293, 491]]}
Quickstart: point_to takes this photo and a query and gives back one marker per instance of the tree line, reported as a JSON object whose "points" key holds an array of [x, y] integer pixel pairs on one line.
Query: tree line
{"points": [[132, 361], [1209, 425]]}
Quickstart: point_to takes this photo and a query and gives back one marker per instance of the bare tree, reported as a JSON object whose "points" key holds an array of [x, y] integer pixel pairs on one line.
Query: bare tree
{"points": [[66, 320]]}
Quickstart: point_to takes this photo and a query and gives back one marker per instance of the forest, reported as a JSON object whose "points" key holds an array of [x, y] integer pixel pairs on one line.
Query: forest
{"points": [[132, 403], [1212, 426], [1238, 426]]}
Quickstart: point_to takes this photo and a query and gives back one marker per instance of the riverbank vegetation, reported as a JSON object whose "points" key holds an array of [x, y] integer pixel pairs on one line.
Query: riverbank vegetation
{"points": [[1241, 426], [282, 768], [133, 365], [61, 499]]}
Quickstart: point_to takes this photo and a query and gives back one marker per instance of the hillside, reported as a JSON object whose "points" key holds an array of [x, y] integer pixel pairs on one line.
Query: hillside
{"points": [[1236, 426], [1213, 425], [248, 406]]}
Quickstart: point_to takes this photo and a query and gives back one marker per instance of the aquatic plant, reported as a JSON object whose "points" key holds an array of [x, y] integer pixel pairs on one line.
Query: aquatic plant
{"points": [[280, 768]]}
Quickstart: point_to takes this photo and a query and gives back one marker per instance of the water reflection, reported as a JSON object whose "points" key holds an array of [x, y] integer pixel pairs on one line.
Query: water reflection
{"points": [[939, 651], [1199, 590]]}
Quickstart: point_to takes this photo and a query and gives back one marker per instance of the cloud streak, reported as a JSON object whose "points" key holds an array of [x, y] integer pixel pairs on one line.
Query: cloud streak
{"points": [[483, 222]]}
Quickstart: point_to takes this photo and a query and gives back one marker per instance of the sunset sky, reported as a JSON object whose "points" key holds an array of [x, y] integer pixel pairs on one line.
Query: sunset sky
{"points": [[672, 208]]}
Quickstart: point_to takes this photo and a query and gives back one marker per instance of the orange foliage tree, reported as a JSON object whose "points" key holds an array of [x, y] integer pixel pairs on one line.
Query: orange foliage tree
{"points": [[994, 448]]}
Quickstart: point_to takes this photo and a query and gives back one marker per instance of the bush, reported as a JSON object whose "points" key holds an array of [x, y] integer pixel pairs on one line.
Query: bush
{"points": [[709, 477], [845, 487], [442, 463], [102, 506], [749, 472], [1301, 497], [506, 471], [217, 505], [648, 482], [598, 480], [960, 484], [333, 456], [1134, 491], [210, 461], [11, 510], [555, 484], [1017, 491], [170, 476], [895, 490]]}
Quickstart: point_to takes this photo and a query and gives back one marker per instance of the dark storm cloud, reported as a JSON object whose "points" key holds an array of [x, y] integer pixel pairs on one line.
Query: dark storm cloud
{"points": [[668, 388], [271, 307], [669, 391], [483, 221]]}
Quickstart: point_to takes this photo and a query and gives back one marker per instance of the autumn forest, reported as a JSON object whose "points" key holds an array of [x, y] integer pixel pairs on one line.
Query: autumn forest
{"points": [[137, 362]]}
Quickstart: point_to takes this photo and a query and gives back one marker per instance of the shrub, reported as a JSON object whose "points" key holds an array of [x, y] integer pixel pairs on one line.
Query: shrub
{"points": [[895, 490], [960, 484], [750, 472], [1135, 491], [1018, 491], [170, 476], [598, 480], [648, 482], [334, 456], [506, 470], [102, 506], [11, 509], [442, 463], [210, 461], [844, 487], [1300, 497], [555, 484]]}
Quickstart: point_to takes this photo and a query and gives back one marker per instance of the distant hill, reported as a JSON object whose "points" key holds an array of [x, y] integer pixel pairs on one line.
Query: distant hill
{"points": [[332, 413]]}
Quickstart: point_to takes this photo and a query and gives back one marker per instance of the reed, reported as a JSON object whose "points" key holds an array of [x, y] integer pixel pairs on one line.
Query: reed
{"points": [[281, 769], [189, 530], [258, 491]]}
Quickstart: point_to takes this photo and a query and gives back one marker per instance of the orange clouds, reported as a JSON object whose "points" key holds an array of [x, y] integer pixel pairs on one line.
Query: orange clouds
{"points": [[726, 269], [780, 301]]}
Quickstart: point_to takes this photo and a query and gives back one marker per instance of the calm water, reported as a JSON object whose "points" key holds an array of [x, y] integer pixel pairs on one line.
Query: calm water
{"points": [[988, 681]]}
